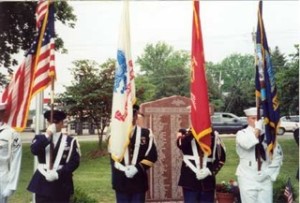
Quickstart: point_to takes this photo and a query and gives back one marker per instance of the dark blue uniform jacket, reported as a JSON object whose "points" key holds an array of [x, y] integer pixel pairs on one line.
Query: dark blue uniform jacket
{"points": [[63, 187], [188, 177], [139, 183]]}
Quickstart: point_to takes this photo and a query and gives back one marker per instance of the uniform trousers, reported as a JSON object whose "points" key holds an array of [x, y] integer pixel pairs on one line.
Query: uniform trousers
{"points": [[192, 196], [3, 199], [130, 197], [253, 191], [44, 199], [3, 183]]}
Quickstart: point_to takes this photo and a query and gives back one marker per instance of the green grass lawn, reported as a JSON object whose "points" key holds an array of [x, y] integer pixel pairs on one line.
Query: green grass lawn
{"points": [[94, 177]]}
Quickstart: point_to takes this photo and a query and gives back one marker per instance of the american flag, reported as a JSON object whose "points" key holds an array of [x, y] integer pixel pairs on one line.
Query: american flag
{"points": [[41, 11], [35, 73], [288, 193]]}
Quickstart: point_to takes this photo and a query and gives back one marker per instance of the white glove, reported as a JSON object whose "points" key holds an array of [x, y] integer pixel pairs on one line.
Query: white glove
{"points": [[203, 173], [261, 176], [51, 175], [7, 192], [259, 124], [119, 166], [131, 171], [51, 129]]}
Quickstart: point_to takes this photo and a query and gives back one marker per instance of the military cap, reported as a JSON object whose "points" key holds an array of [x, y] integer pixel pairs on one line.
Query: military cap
{"points": [[135, 108], [57, 116], [182, 131], [252, 111]]}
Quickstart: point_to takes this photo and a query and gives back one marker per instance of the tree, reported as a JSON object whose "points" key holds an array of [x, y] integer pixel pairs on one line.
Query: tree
{"points": [[3, 80], [214, 85], [278, 60], [237, 71], [288, 85], [145, 91], [90, 96], [18, 28], [164, 70]]}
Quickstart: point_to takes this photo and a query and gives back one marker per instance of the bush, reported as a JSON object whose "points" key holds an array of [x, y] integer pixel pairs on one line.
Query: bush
{"points": [[81, 197]]}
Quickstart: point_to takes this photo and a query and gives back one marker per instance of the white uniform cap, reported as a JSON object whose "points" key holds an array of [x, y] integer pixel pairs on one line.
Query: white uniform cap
{"points": [[251, 111], [2, 106]]}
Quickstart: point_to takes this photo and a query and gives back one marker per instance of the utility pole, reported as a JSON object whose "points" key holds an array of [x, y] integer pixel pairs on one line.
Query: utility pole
{"points": [[221, 81], [254, 43]]}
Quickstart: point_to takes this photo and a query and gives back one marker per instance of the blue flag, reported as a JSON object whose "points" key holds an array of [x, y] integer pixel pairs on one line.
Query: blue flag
{"points": [[266, 90]]}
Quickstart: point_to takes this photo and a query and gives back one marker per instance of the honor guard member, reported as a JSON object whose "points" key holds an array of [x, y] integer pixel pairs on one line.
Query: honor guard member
{"points": [[198, 184], [256, 185], [10, 158], [129, 177], [52, 182]]}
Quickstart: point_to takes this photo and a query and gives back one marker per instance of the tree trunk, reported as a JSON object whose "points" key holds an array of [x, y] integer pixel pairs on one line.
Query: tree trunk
{"points": [[78, 127]]}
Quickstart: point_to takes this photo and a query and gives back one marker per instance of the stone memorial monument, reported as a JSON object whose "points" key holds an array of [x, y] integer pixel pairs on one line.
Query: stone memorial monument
{"points": [[164, 117]]}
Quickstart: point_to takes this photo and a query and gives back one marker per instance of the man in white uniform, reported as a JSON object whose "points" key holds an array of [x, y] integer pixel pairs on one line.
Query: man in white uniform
{"points": [[10, 158], [256, 186]]}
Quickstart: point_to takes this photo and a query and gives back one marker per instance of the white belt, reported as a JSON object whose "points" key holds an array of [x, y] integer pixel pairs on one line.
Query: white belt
{"points": [[43, 168], [248, 162], [120, 166], [189, 164], [191, 157]]}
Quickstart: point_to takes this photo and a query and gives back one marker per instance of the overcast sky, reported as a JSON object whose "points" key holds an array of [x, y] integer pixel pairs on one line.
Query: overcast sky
{"points": [[226, 28]]}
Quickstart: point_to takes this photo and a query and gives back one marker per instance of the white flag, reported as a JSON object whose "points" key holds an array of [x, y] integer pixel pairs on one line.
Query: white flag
{"points": [[124, 91]]}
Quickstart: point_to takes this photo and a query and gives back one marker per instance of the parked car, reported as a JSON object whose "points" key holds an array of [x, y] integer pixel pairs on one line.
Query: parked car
{"points": [[227, 123], [244, 119], [288, 124]]}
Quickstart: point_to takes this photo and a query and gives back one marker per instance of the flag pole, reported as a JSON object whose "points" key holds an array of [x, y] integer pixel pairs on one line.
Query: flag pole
{"points": [[51, 120], [257, 100], [40, 96], [52, 81], [200, 119], [261, 80], [38, 125]]}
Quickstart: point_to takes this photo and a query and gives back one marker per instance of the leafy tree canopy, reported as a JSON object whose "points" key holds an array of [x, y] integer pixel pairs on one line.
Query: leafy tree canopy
{"points": [[287, 81], [164, 71], [234, 77], [18, 28], [90, 95]]}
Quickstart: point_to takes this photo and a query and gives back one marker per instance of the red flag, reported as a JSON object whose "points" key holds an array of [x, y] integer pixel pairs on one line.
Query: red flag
{"points": [[200, 117], [35, 73]]}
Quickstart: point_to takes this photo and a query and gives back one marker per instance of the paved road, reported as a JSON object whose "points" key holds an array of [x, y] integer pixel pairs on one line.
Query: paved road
{"points": [[28, 136]]}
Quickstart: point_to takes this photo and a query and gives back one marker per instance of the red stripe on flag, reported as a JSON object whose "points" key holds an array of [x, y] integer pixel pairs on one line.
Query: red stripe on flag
{"points": [[32, 76], [41, 11], [17, 96], [45, 70]]}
